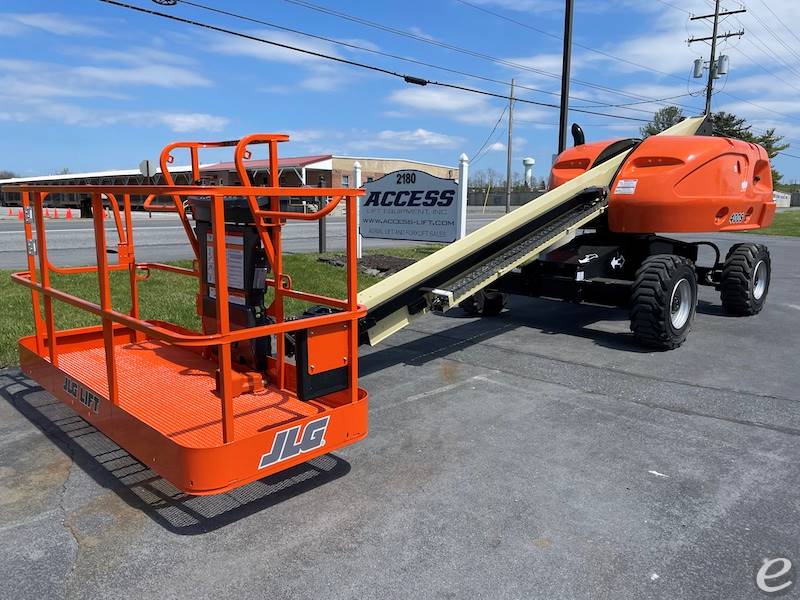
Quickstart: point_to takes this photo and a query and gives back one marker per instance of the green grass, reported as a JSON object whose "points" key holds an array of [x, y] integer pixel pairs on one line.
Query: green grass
{"points": [[412, 252], [783, 223], [166, 296]]}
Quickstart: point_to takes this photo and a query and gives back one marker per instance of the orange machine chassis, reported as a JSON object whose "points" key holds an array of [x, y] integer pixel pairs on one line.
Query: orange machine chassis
{"points": [[172, 397]]}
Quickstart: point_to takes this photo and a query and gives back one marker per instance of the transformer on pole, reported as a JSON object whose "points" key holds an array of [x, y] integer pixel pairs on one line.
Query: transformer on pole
{"points": [[716, 67]]}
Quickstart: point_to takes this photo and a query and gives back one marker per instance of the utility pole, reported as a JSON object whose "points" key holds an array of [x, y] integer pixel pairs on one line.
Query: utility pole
{"points": [[713, 66], [508, 149], [565, 70]]}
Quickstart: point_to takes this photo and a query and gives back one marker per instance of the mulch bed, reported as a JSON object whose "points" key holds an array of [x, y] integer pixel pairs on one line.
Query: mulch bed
{"points": [[379, 265]]}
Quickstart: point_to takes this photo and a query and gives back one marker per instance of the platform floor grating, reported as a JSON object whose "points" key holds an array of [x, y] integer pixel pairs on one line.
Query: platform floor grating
{"points": [[172, 390]]}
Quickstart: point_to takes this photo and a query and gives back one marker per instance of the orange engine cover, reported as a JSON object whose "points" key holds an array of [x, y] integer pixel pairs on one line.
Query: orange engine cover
{"points": [[575, 161], [692, 184]]}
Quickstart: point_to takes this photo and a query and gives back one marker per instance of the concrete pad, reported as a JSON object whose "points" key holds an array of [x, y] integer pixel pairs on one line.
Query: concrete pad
{"points": [[539, 454]]}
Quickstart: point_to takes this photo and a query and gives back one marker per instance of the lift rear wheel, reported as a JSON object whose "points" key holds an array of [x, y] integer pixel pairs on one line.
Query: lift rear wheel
{"points": [[486, 303], [745, 279], [664, 301]]}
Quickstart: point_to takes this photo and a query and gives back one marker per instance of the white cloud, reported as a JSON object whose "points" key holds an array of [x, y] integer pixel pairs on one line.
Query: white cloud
{"points": [[545, 62], [304, 136], [156, 75], [497, 147], [436, 99], [235, 46], [137, 55], [54, 23], [322, 80], [461, 106], [762, 107], [34, 91], [184, 122], [419, 32], [353, 141], [71, 114], [417, 137], [319, 75]]}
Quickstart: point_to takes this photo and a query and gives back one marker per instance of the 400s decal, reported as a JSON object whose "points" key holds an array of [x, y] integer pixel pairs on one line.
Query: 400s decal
{"points": [[289, 442]]}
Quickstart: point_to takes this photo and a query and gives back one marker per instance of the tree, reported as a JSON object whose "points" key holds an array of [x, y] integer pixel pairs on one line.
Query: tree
{"points": [[663, 119], [64, 171], [7, 174], [727, 124], [772, 144]]}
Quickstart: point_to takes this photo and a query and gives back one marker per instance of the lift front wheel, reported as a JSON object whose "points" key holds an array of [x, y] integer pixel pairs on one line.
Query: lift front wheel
{"points": [[485, 303], [664, 301], [745, 279]]}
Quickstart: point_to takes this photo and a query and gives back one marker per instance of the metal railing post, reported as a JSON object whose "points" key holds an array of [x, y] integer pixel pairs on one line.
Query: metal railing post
{"points": [[136, 336], [105, 296], [277, 267], [223, 319], [352, 295], [30, 246], [44, 272]]}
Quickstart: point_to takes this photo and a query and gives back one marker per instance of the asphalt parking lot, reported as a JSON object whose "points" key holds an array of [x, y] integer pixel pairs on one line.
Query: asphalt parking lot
{"points": [[539, 454]]}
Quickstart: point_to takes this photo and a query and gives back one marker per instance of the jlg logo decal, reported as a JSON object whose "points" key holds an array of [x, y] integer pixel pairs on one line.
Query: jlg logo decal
{"points": [[289, 443], [82, 395]]}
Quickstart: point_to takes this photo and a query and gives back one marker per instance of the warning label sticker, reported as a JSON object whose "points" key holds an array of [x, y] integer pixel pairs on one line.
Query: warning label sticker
{"points": [[234, 259], [626, 186]]}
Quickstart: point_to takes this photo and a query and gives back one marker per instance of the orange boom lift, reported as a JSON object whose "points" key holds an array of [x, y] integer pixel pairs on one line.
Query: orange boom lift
{"points": [[214, 409]]}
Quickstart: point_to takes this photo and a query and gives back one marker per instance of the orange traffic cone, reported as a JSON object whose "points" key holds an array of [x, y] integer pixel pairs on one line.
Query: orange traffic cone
{"points": [[69, 214], [47, 212], [19, 215], [105, 213], [10, 212], [55, 213]]}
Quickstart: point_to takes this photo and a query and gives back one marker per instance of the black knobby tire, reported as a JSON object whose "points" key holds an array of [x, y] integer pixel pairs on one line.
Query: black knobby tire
{"points": [[485, 303], [745, 279], [664, 301]]}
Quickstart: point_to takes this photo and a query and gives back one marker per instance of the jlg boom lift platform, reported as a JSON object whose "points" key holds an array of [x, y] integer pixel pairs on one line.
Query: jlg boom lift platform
{"points": [[215, 409]]}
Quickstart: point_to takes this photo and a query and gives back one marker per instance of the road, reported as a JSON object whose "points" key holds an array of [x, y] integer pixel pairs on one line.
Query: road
{"points": [[162, 238], [538, 454]]}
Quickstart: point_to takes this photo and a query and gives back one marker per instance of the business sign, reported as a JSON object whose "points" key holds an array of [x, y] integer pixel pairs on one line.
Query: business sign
{"points": [[411, 205]]}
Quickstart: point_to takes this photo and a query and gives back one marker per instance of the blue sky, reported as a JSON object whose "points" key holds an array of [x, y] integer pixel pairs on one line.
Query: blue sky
{"points": [[88, 86]]}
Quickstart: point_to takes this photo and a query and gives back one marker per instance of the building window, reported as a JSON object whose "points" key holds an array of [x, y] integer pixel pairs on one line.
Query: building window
{"points": [[345, 180], [370, 179]]}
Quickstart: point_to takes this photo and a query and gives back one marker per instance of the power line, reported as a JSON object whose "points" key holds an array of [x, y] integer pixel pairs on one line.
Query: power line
{"points": [[491, 133], [764, 47], [765, 69], [710, 2], [595, 104], [459, 49], [751, 103], [382, 53], [407, 78], [772, 32], [779, 20], [558, 37], [683, 10], [758, 106]]}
